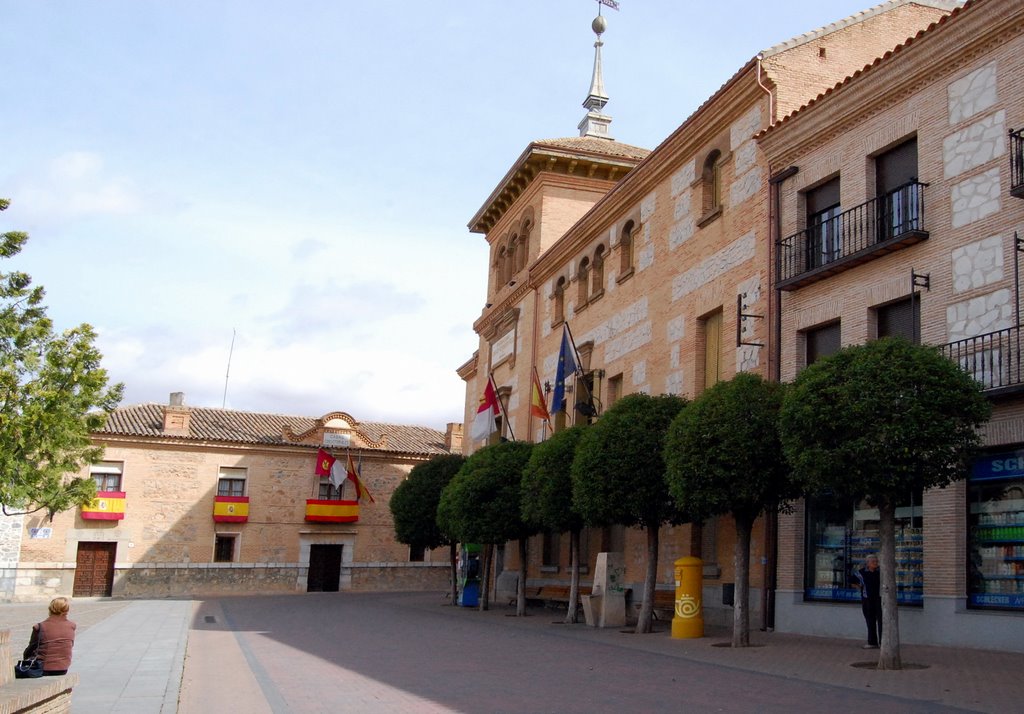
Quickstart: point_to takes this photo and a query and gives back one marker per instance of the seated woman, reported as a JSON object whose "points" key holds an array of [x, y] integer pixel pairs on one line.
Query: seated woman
{"points": [[53, 638]]}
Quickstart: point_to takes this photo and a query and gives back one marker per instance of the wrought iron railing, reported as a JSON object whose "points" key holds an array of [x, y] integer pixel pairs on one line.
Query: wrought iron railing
{"points": [[994, 359], [1017, 162], [894, 215]]}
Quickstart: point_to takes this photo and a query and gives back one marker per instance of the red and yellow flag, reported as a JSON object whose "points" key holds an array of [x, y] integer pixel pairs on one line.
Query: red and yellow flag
{"points": [[538, 407], [353, 476], [324, 462]]}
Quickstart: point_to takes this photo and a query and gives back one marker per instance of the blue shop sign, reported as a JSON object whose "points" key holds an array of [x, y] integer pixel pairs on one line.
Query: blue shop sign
{"points": [[1009, 464]]}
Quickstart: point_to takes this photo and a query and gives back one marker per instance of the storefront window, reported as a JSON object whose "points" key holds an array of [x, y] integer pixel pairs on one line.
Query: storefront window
{"points": [[840, 537], [996, 541]]}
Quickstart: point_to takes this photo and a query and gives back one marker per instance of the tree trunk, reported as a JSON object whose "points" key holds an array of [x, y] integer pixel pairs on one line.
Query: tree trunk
{"points": [[574, 577], [889, 654], [485, 578], [453, 558], [521, 585], [741, 594], [643, 623]]}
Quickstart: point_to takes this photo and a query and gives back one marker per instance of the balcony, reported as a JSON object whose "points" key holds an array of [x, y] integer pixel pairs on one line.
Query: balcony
{"points": [[231, 509], [865, 232], [107, 506], [994, 359], [324, 511], [1017, 163]]}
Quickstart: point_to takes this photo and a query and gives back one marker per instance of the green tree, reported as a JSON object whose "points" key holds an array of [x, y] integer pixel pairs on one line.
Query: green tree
{"points": [[723, 455], [482, 505], [414, 507], [618, 476], [53, 394], [547, 499], [877, 421]]}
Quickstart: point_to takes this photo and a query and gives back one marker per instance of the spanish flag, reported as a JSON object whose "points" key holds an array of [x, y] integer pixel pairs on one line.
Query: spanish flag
{"points": [[538, 407], [353, 476]]}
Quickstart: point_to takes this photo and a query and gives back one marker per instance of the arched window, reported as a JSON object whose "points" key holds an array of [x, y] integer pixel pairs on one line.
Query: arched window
{"points": [[522, 249], [626, 249], [583, 277], [711, 182], [502, 272], [597, 273], [513, 258], [559, 297]]}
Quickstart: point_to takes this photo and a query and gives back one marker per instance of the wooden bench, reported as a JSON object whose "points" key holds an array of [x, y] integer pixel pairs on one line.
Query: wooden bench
{"points": [[664, 601], [552, 594]]}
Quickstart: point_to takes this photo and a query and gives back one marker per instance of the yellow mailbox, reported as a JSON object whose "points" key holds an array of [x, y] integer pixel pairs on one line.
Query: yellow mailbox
{"points": [[688, 621]]}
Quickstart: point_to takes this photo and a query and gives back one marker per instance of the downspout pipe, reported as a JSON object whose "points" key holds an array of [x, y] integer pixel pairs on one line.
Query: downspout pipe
{"points": [[771, 525]]}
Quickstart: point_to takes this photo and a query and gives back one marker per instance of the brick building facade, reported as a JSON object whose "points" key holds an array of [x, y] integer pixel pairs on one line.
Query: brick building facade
{"points": [[659, 263], [197, 501], [899, 212]]}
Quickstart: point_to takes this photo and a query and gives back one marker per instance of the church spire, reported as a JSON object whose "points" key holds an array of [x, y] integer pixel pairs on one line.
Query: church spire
{"points": [[595, 123]]}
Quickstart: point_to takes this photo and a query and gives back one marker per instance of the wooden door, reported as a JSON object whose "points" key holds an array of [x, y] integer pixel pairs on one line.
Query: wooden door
{"points": [[324, 569], [94, 569]]}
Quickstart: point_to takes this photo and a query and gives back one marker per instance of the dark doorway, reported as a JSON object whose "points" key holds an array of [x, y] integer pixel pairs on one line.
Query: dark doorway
{"points": [[94, 569], [324, 569]]}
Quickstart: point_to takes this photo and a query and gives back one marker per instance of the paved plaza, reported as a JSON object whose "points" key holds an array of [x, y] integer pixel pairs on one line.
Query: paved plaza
{"points": [[412, 652]]}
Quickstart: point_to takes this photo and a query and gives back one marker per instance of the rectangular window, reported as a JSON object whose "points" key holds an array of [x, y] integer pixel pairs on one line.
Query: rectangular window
{"points": [[107, 475], [841, 536], [231, 482], [328, 492], [995, 519], [824, 243], [822, 342], [550, 549], [417, 553], [224, 549], [614, 390], [712, 328], [899, 319]]}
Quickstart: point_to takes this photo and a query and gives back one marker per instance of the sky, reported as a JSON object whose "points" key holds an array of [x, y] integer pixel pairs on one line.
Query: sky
{"points": [[264, 205]]}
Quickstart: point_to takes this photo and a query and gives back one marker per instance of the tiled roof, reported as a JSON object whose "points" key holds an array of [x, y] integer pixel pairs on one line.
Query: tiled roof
{"points": [[595, 145], [225, 425]]}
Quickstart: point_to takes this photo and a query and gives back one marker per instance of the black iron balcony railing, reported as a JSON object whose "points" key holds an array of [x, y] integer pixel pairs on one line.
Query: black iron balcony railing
{"points": [[994, 359], [1017, 163], [842, 241]]}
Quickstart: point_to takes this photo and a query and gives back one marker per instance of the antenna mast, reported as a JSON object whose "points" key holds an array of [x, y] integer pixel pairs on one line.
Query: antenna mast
{"points": [[227, 374]]}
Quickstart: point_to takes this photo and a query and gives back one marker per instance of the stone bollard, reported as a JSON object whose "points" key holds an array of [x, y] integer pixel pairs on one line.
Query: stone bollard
{"points": [[688, 621]]}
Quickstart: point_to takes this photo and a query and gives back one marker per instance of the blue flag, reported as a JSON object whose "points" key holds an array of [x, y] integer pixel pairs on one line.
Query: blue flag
{"points": [[566, 367]]}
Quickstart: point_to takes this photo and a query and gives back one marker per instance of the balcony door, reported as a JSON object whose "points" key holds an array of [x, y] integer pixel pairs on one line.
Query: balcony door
{"points": [[899, 207], [824, 242]]}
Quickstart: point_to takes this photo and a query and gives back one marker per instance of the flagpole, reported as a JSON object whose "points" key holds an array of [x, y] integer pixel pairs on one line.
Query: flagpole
{"points": [[501, 407], [580, 377]]}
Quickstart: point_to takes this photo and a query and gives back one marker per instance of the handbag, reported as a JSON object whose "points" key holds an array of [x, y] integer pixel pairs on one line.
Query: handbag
{"points": [[28, 668]]}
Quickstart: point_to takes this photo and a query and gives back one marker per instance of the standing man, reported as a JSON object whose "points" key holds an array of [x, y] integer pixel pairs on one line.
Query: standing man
{"points": [[869, 580]]}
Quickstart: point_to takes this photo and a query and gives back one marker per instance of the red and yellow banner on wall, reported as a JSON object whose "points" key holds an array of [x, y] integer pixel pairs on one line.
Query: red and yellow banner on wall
{"points": [[231, 509], [107, 506], [332, 511]]}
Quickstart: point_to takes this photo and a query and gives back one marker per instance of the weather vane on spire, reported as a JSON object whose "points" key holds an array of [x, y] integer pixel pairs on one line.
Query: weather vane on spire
{"points": [[613, 4]]}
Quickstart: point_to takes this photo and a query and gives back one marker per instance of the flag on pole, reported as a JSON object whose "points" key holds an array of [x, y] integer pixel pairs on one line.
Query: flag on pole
{"points": [[338, 475], [484, 423], [613, 4], [353, 476], [537, 406], [566, 367], [324, 462]]}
